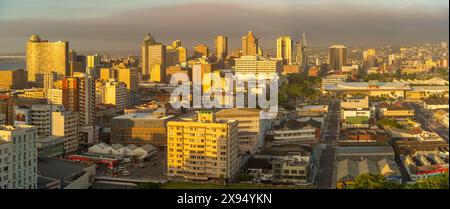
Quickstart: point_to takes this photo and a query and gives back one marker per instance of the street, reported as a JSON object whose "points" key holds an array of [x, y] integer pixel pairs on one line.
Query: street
{"points": [[327, 159], [425, 117], [153, 168]]}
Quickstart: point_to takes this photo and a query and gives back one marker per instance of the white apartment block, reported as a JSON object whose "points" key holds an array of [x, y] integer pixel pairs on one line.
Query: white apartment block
{"points": [[18, 157]]}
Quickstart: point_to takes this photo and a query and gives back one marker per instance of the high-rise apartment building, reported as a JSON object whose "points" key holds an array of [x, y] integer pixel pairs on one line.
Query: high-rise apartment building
{"points": [[182, 54], [18, 154], [250, 44], [284, 49], [251, 127], [153, 60], [93, 61], [171, 57], [66, 124], [202, 148], [337, 57], [115, 93], [221, 43], [255, 66], [78, 95], [129, 76], [201, 50], [43, 56], [176, 44], [369, 58]]}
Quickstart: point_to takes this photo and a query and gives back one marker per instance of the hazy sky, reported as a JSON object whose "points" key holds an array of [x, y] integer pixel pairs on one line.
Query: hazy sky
{"points": [[121, 25]]}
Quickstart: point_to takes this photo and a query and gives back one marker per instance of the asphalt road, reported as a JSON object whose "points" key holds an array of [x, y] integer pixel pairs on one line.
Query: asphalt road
{"points": [[153, 168], [327, 159], [425, 117]]}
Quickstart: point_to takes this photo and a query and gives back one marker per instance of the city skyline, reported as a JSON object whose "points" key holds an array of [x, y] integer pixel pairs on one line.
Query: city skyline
{"points": [[115, 27]]}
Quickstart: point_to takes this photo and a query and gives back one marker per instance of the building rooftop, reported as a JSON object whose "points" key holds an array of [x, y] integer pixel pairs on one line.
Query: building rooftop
{"points": [[364, 150], [367, 86], [65, 170], [48, 139], [142, 116]]}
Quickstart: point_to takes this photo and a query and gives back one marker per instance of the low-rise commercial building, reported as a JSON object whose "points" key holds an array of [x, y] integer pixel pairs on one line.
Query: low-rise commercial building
{"points": [[140, 128], [424, 164], [372, 89], [293, 168], [348, 170], [64, 174]]}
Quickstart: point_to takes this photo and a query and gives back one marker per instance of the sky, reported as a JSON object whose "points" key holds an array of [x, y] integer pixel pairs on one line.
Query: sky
{"points": [[122, 24]]}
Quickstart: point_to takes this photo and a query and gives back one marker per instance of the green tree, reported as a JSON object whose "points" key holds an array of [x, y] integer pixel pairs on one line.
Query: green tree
{"points": [[435, 182], [374, 181]]}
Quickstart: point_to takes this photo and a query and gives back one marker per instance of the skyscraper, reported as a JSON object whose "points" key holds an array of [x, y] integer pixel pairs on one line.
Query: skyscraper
{"points": [[182, 54], [153, 60], [337, 57], [284, 49], [301, 55], [78, 95], [43, 57], [249, 44], [369, 58], [93, 61], [130, 78], [221, 43], [176, 44]]}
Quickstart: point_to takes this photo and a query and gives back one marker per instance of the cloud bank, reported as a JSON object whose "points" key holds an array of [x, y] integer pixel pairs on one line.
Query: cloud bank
{"points": [[196, 23]]}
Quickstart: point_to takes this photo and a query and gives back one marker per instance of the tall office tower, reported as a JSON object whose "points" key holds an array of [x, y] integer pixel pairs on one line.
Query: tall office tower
{"points": [[93, 61], [176, 44], [369, 58], [78, 95], [221, 43], [201, 50], [284, 49], [249, 44], [66, 124], [171, 57], [77, 63], [19, 157], [115, 93], [182, 54], [129, 76], [202, 149], [204, 69], [43, 56], [301, 54], [337, 57], [153, 60], [86, 96]]}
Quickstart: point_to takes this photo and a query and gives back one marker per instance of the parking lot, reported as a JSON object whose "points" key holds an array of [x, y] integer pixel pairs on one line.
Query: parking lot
{"points": [[153, 168]]}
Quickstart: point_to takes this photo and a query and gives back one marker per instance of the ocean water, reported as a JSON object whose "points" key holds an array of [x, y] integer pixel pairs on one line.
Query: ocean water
{"points": [[10, 64]]}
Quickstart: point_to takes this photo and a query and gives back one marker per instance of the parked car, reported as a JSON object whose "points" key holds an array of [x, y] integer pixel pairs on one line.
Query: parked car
{"points": [[125, 173]]}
